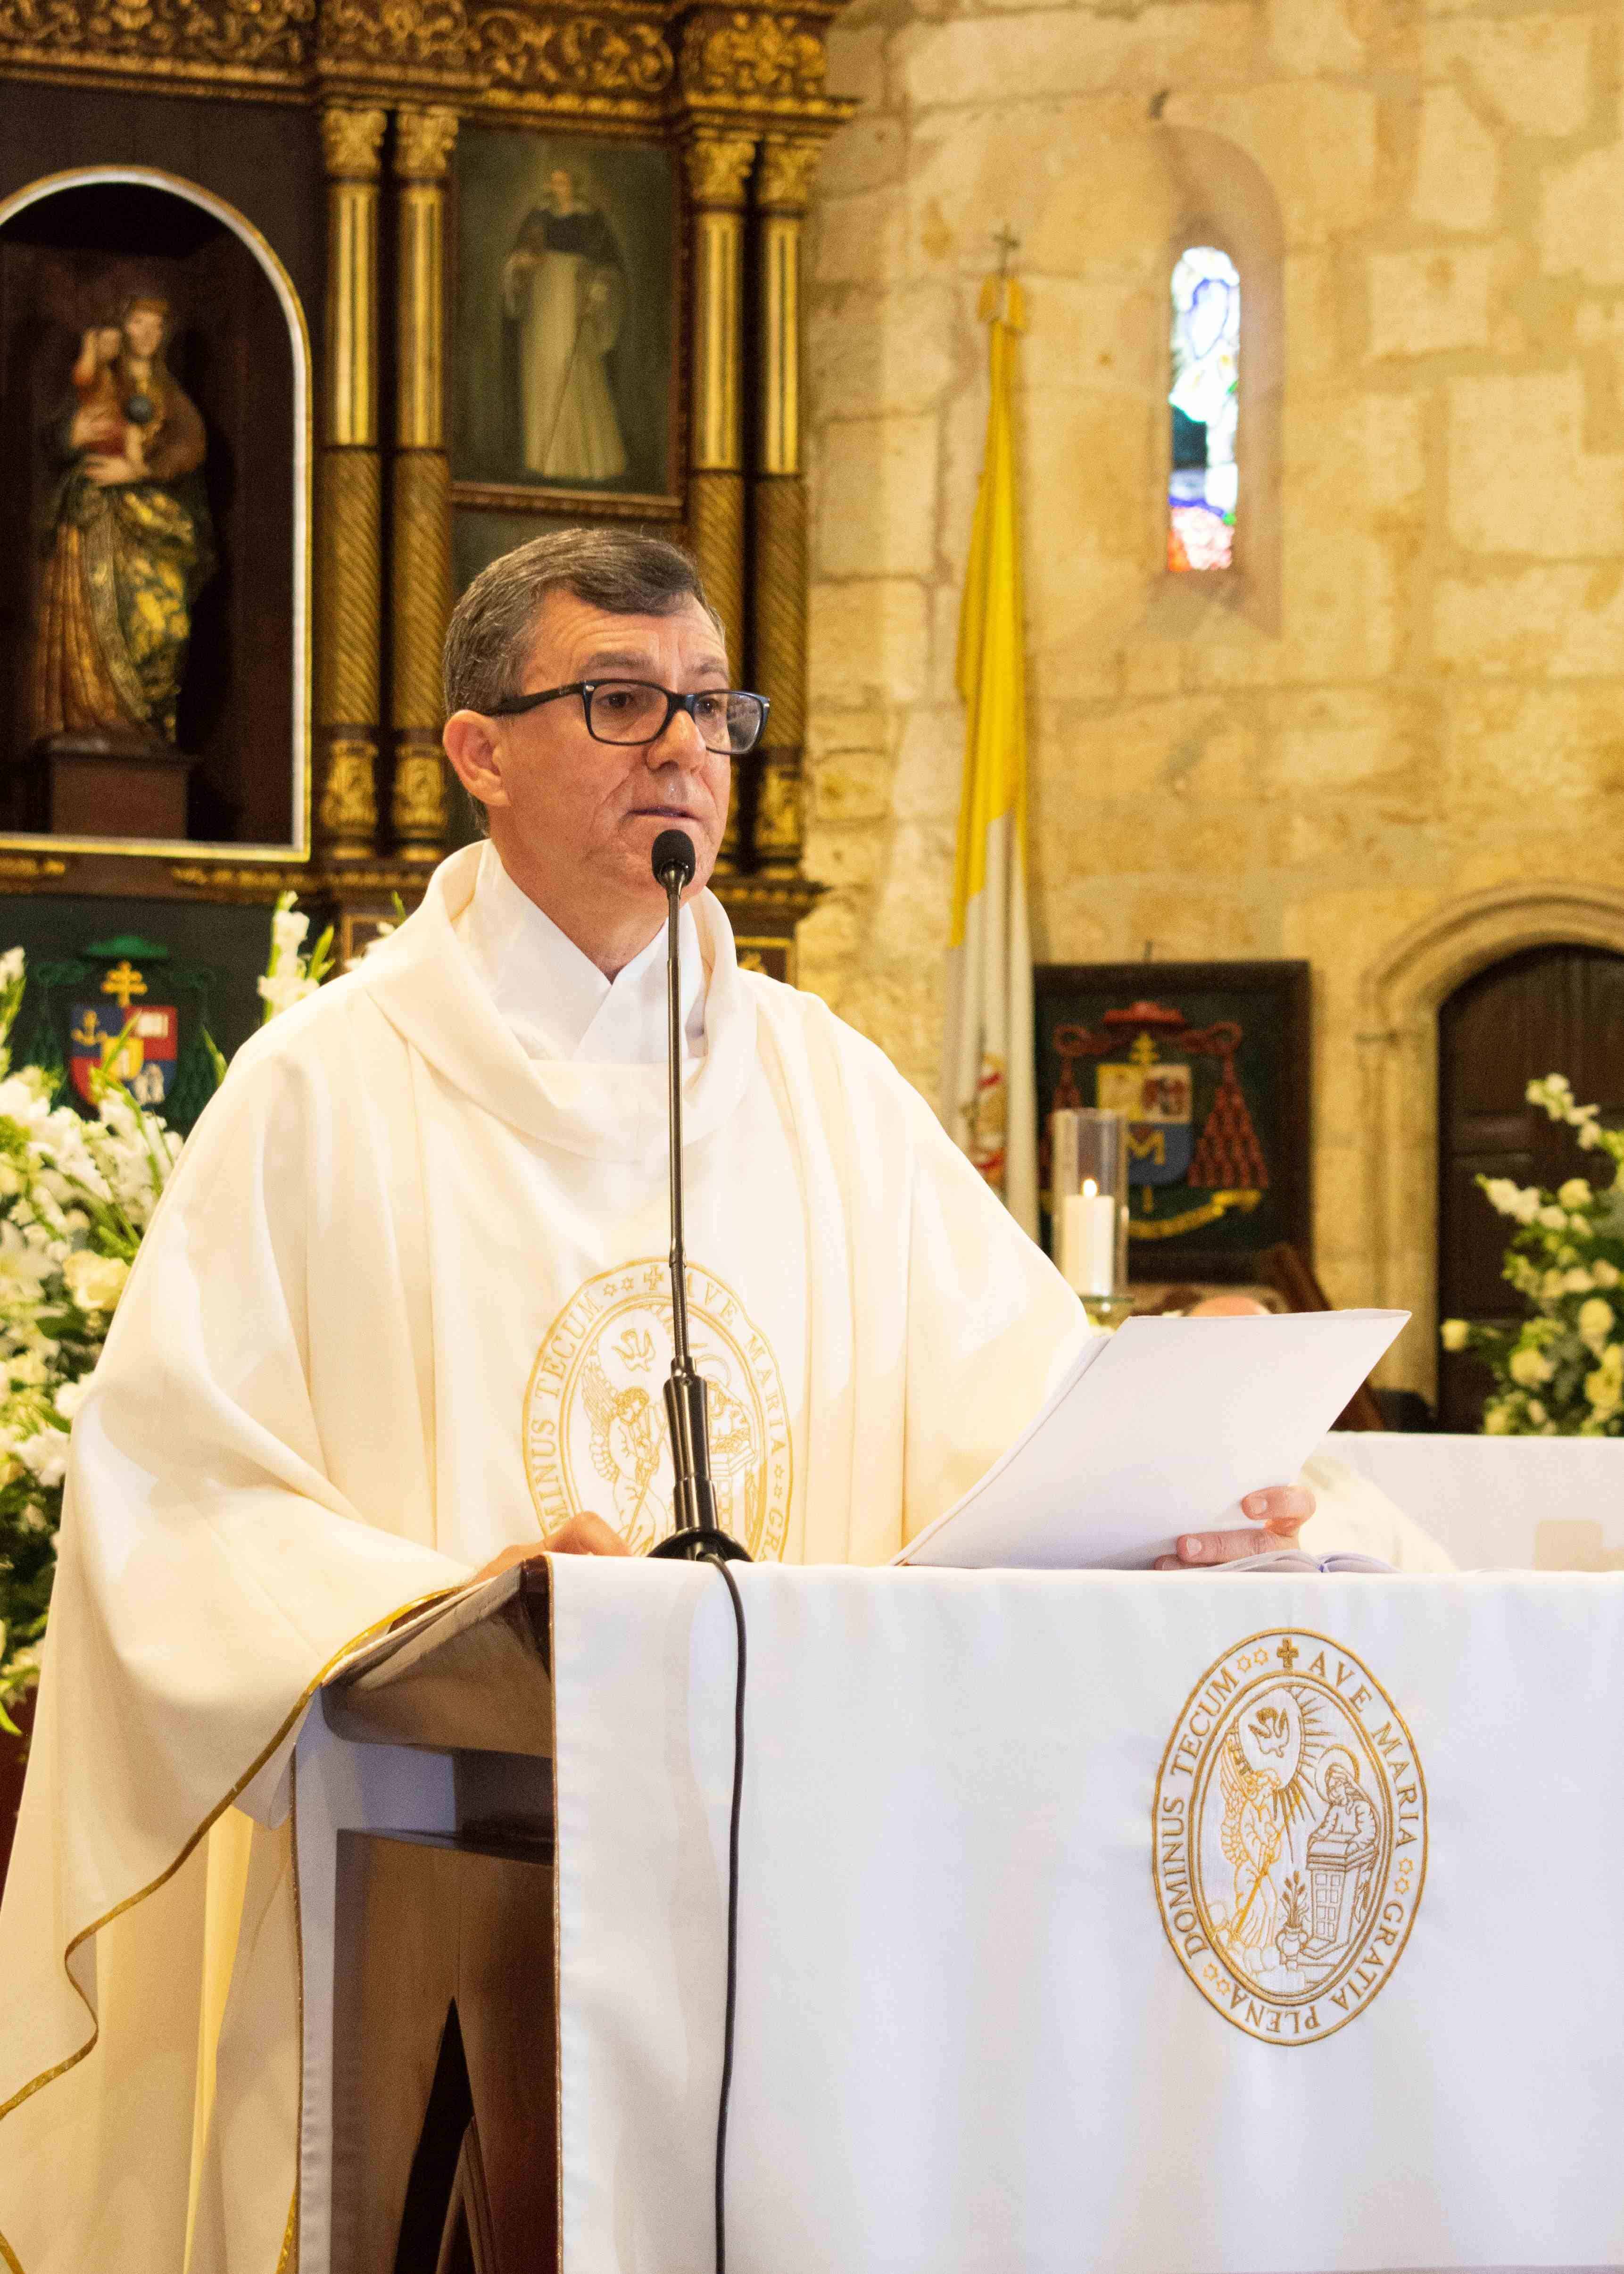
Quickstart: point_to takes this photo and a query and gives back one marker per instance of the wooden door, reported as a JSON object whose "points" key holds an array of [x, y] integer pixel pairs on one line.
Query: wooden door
{"points": [[1548, 1009]]}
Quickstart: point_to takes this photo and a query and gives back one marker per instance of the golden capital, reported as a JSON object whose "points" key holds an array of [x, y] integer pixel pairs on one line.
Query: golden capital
{"points": [[719, 166], [784, 181], [350, 141], [424, 141]]}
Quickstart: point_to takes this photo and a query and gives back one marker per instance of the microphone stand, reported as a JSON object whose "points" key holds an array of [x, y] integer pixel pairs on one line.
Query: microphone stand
{"points": [[697, 1534]]}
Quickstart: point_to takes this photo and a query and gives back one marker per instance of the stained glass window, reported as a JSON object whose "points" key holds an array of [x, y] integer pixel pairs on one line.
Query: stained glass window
{"points": [[1205, 401]]}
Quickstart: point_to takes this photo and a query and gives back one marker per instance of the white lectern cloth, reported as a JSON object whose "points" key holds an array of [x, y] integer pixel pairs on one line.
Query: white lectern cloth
{"points": [[965, 2043], [1501, 1503]]}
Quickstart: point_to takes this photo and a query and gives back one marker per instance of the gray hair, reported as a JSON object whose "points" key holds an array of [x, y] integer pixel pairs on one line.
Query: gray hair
{"points": [[492, 627]]}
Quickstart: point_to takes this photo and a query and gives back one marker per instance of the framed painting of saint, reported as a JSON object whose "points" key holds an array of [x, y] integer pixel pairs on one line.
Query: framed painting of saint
{"points": [[1209, 1062], [564, 381]]}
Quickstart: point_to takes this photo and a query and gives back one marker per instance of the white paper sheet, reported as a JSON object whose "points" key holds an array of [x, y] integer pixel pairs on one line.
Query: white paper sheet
{"points": [[1159, 1429]]}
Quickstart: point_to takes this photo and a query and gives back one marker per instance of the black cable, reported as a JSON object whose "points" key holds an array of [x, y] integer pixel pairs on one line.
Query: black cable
{"points": [[732, 1925]]}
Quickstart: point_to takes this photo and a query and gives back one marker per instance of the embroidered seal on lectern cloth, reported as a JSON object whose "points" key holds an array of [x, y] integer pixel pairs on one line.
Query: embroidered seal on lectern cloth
{"points": [[595, 1434], [1290, 1836]]}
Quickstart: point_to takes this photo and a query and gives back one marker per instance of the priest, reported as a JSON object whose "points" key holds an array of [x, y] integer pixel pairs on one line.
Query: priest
{"points": [[401, 1318]]}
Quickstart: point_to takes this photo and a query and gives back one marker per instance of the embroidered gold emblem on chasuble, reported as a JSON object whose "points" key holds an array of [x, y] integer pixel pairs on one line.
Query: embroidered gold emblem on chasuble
{"points": [[595, 1433], [1290, 1836]]}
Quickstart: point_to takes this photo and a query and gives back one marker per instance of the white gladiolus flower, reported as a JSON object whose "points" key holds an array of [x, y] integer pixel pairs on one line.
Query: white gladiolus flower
{"points": [[1535, 1410], [1530, 1367], [288, 930], [1578, 1281], [71, 1396], [1554, 1219], [1604, 1274], [1455, 1333], [10, 966], [1496, 1421], [1575, 1193], [46, 1455], [282, 990], [95, 1282]]}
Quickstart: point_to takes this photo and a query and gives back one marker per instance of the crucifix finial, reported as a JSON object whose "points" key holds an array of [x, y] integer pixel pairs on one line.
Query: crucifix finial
{"points": [[1008, 244]]}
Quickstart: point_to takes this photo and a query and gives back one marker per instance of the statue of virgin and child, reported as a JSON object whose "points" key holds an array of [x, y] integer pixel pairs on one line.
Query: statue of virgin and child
{"points": [[129, 541]]}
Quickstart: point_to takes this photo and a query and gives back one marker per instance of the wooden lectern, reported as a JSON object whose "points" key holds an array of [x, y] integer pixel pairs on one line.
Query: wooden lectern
{"points": [[444, 2053]]}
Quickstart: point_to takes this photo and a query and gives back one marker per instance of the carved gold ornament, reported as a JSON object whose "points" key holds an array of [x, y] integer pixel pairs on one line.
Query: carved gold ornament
{"points": [[350, 141], [584, 55], [266, 34], [786, 169], [778, 809], [348, 808], [1290, 1825], [423, 141], [719, 166], [418, 803], [749, 56], [422, 34]]}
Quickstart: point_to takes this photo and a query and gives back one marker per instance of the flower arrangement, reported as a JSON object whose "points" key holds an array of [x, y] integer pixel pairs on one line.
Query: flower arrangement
{"points": [[1560, 1373], [76, 1195], [290, 976]]}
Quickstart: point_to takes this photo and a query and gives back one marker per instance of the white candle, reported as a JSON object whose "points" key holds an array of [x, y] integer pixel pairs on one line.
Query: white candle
{"points": [[1088, 1240]]}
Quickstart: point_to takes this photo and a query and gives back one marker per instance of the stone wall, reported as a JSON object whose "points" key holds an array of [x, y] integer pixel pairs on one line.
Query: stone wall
{"points": [[1411, 698]]}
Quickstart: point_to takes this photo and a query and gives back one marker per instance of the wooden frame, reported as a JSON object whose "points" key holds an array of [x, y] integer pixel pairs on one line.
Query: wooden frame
{"points": [[1232, 1035], [491, 495], [296, 843]]}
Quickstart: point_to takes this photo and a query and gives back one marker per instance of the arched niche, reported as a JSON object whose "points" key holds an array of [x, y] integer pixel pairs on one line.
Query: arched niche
{"points": [[1400, 998], [1220, 196], [75, 247]]}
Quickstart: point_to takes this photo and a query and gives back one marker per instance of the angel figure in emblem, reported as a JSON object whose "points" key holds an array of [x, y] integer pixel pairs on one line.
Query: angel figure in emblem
{"points": [[1253, 1835], [626, 1444]]}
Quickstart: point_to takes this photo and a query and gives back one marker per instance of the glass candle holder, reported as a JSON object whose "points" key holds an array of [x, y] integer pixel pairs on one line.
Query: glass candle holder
{"points": [[1088, 1213]]}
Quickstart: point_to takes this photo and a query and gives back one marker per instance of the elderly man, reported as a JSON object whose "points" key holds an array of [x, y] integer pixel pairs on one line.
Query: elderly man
{"points": [[401, 1318]]}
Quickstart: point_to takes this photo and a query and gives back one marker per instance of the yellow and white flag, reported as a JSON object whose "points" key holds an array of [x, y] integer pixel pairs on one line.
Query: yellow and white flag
{"points": [[988, 1102]]}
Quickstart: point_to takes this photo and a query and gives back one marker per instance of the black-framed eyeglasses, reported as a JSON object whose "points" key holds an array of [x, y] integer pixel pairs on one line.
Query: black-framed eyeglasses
{"points": [[729, 719]]}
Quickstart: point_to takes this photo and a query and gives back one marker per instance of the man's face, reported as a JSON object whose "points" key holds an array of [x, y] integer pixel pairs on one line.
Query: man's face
{"points": [[586, 813], [561, 189]]}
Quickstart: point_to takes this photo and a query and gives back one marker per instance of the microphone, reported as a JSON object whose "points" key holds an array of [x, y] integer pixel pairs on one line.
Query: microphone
{"points": [[697, 1533]]}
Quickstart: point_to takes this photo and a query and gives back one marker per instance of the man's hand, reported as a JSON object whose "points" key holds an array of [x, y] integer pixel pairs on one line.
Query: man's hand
{"points": [[578, 1535], [1279, 1513]]}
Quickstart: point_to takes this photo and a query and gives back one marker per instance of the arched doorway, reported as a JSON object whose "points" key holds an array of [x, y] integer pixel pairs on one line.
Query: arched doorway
{"points": [[1556, 1009]]}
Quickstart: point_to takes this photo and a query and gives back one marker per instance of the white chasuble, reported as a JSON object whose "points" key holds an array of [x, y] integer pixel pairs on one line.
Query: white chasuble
{"points": [[402, 1306]]}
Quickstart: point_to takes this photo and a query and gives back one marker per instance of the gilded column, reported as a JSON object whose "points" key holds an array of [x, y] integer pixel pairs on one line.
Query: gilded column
{"points": [[349, 560], [718, 168], [420, 487], [778, 502]]}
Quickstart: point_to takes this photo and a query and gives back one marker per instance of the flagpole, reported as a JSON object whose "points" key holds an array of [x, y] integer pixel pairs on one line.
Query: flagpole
{"points": [[988, 1088]]}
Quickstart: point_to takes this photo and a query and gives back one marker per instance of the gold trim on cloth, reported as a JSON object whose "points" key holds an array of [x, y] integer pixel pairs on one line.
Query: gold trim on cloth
{"points": [[287, 2256], [48, 2076]]}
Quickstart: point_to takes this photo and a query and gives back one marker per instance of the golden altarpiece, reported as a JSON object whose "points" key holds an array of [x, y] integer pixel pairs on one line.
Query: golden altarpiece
{"points": [[325, 134]]}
